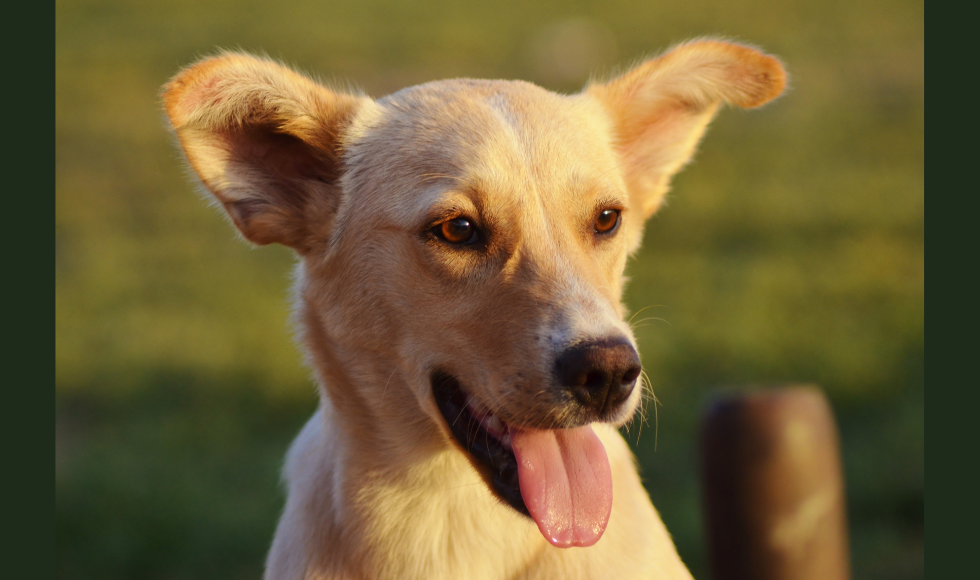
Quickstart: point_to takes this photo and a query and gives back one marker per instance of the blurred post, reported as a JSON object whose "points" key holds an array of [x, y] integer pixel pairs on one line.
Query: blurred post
{"points": [[773, 488]]}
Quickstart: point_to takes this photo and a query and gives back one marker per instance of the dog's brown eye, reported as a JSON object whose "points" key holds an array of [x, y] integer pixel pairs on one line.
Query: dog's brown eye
{"points": [[457, 231], [607, 220]]}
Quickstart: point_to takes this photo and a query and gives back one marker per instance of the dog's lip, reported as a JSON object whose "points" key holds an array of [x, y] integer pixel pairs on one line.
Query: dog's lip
{"points": [[491, 423]]}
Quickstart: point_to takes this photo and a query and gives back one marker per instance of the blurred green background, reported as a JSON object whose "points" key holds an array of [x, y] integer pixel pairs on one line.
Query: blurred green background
{"points": [[791, 250]]}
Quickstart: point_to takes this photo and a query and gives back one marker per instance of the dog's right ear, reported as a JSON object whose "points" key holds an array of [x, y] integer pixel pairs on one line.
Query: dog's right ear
{"points": [[265, 141]]}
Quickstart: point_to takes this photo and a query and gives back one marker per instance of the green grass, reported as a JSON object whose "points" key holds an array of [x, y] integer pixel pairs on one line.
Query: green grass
{"points": [[177, 481], [791, 250]]}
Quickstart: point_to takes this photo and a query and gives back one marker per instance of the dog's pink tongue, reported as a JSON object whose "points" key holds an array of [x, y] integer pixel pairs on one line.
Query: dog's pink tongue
{"points": [[566, 483]]}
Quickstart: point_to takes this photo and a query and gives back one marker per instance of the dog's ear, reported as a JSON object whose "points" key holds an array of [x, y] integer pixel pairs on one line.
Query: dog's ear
{"points": [[265, 141], [661, 108]]}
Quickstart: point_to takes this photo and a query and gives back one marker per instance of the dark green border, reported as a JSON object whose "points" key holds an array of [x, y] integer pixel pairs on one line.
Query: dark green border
{"points": [[951, 297]]}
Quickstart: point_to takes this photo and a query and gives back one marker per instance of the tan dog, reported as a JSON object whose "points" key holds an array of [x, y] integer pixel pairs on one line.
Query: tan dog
{"points": [[461, 252]]}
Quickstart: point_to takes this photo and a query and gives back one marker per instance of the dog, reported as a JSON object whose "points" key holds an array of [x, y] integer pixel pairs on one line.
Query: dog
{"points": [[461, 247]]}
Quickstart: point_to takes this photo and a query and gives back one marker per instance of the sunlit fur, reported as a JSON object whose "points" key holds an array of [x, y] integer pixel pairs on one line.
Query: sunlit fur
{"points": [[376, 486]]}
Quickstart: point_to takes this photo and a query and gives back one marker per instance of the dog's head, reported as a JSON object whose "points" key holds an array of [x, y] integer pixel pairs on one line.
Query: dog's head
{"points": [[468, 235]]}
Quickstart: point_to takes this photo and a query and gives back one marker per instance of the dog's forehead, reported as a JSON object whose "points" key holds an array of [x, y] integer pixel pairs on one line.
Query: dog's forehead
{"points": [[513, 137]]}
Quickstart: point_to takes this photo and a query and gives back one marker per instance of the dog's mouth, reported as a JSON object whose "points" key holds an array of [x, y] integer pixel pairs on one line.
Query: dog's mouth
{"points": [[558, 477], [483, 436]]}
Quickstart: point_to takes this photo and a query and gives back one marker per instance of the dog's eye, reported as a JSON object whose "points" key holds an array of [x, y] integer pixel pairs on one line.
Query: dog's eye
{"points": [[607, 221], [457, 231]]}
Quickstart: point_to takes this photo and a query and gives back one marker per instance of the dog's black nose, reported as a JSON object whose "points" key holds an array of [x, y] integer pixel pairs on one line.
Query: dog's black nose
{"points": [[600, 373]]}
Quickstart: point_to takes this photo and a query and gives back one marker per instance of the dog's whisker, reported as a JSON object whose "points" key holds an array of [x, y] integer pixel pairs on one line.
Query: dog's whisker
{"points": [[459, 415], [636, 324], [656, 415], [478, 482], [486, 441], [637, 313], [385, 391]]}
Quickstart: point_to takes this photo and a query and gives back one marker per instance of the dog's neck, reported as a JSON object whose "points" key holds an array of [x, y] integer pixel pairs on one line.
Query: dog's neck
{"points": [[383, 480], [373, 404]]}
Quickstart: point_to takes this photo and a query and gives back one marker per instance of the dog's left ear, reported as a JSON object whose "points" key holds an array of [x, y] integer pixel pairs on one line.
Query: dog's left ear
{"points": [[266, 141], [661, 108]]}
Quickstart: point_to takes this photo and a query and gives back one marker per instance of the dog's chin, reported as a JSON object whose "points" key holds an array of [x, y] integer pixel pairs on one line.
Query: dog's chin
{"points": [[484, 438]]}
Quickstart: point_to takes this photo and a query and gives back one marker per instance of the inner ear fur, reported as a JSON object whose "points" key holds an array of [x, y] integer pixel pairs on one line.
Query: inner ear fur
{"points": [[661, 108], [265, 140]]}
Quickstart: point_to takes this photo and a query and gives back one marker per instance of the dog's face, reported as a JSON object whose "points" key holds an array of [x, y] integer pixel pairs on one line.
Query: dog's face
{"points": [[471, 235], [486, 224]]}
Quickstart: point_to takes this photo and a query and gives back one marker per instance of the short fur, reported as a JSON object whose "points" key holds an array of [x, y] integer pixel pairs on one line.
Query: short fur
{"points": [[377, 487]]}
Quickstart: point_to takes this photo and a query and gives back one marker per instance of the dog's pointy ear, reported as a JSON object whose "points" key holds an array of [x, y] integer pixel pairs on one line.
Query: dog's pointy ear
{"points": [[661, 108], [265, 141]]}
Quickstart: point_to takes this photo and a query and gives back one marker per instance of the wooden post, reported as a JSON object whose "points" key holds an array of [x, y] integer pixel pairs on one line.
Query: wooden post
{"points": [[773, 488]]}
